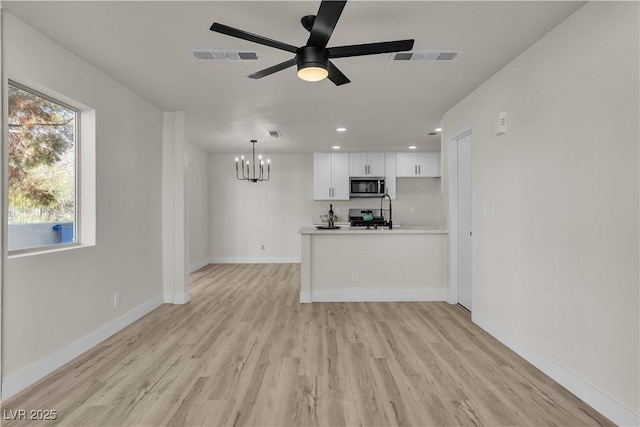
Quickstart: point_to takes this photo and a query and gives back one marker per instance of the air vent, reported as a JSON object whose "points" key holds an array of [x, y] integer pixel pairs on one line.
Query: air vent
{"points": [[226, 55], [426, 56], [274, 133], [432, 133]]}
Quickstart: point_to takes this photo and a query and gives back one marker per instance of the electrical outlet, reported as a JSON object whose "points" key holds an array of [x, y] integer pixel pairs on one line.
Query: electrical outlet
{"points": [[116, 299], [262, 247], [354, 276]]}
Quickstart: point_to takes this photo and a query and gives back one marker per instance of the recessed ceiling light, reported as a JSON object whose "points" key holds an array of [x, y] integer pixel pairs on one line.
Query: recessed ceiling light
{"points": [[413, 147], [438, 129], [336, 147], [341, 129]]}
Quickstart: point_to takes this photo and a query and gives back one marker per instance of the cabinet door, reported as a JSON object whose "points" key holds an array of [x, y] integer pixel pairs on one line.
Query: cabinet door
{"points": [[390, 174], [340, 176], [322, 176], [406, 165], [358, 164], [429, 164], [376, 164]]}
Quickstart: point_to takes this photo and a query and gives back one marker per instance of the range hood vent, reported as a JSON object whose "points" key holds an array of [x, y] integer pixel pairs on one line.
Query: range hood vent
{"points": [[226, 55], [426, 56]]}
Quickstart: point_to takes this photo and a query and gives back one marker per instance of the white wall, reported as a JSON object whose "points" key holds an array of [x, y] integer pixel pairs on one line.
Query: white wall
{"points": [[245, 216], [199, 212], [556, 269], [57, 304]]}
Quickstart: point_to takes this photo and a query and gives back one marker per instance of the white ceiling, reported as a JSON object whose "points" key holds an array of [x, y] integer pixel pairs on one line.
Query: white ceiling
{"points": [[387, 106]]}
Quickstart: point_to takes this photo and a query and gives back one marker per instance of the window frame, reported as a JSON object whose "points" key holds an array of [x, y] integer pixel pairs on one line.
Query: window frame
{"points": [[77, 138]]}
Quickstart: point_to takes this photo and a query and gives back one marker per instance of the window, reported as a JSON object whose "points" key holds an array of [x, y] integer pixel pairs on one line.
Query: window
{"points": [[42, 152]]}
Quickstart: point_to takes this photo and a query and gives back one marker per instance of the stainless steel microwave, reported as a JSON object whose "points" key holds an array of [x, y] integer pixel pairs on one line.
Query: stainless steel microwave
{"points": [[366, 187]]}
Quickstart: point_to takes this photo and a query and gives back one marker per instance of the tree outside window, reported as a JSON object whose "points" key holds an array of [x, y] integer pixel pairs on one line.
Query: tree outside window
{"points": [[41, 172]]}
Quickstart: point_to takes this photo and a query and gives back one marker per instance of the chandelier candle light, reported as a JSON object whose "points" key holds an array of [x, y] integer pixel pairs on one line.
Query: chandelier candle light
{"points": [[246, 167]]}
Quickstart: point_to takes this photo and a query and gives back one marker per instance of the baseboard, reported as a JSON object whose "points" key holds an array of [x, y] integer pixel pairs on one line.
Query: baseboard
{"points": [[305, 297], [177, 297], [181, 297], [599, 401], [29, 375], [254, 260], [198, 265], [375, 296]]}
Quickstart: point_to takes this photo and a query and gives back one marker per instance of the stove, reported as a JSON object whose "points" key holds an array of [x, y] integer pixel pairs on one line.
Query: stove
{"points": [[356, 218]]}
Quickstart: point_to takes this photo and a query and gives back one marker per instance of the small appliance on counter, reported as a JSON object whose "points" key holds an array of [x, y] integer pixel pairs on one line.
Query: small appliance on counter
{"points": [[366, 218]]}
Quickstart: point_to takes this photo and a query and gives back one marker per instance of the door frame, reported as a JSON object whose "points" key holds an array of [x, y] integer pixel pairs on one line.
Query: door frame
{"points": [[452, 291]]}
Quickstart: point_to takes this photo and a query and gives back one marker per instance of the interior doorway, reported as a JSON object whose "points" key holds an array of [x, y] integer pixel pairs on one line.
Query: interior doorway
{"points": [[461, 220]]}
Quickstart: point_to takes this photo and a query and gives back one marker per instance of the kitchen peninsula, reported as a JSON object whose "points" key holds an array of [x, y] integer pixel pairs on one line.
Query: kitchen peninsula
{"points": [[356, 264]]}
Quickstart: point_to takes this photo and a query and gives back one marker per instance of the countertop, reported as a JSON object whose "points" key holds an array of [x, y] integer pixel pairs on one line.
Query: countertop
{"points": [[380, 230]]}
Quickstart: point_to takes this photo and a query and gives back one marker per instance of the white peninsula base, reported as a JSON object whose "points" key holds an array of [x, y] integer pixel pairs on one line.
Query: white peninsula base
{"points": [[356, 265]]}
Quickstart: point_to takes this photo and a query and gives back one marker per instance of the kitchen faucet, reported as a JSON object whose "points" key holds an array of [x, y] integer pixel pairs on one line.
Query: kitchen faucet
{"points": [[390, 209]]}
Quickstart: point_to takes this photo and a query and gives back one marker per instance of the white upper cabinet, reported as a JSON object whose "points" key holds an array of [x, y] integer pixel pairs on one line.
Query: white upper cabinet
{"points": [[330, 176], [410, 165], [367, 164]]}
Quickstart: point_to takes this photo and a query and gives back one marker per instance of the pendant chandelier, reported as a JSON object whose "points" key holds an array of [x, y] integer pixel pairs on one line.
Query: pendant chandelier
{"points": [[252, 171]]}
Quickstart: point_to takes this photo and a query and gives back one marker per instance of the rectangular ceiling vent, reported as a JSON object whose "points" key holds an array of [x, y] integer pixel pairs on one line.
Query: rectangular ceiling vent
{"points": [[226, 55], [274, 133], [432, 133], [426, 55]]}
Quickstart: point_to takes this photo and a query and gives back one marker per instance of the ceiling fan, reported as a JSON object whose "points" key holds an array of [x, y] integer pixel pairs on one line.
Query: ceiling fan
{"points": [[313, 59]]}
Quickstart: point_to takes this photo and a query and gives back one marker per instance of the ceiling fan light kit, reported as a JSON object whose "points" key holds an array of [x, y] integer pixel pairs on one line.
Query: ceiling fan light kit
{"points": [[313, 59], [312, 63]]}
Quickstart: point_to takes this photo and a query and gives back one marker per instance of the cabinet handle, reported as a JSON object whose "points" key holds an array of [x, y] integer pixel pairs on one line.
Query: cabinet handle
{"points": [[419, 170], [415, 169]]}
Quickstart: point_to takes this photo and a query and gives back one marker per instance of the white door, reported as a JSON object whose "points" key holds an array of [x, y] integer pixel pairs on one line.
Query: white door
{"points": [[428, 164], [465, 276], [322, 176], [376, 162], [340, 176], [358, 164], [406, 165]]}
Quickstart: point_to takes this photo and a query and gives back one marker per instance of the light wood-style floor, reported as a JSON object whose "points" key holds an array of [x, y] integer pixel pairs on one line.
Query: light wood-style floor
{"points": [[245, 352]]}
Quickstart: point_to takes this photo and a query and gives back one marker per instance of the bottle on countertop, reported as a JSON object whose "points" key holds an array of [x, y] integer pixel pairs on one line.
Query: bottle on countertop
{"points": [[331, 216]]}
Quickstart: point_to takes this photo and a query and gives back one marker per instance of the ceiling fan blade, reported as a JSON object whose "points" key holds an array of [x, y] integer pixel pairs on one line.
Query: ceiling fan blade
{"points": [[234, 32], [326, 20], [370, 48], [336, 76], [278, 67]]}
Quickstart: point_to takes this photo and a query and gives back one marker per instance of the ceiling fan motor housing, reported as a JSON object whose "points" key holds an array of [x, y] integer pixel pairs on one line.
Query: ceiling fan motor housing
{"points": [[311, 56]]}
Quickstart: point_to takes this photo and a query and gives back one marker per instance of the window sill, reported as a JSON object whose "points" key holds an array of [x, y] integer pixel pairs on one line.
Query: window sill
{"points": [[47, 250]]}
